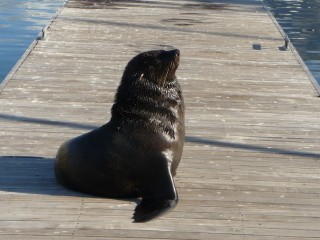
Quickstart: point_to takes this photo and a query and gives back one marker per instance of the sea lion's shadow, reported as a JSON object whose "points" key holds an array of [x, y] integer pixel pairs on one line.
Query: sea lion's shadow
{"points": [[34, 175]]}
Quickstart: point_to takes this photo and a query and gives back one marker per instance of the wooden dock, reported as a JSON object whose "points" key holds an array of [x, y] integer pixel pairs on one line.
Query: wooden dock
{"points": [[250, 168]]}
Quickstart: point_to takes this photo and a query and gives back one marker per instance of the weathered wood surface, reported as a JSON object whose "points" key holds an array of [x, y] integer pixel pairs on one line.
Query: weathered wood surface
{"points": [[250, 168]]}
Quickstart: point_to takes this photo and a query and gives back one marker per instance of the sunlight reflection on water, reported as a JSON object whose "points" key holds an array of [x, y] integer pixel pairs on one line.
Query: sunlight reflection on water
{"points": [[300, 20], [20, 23]]}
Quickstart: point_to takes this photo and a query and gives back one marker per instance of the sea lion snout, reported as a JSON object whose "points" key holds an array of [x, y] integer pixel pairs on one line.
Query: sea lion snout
{"points": [[175, 53]]}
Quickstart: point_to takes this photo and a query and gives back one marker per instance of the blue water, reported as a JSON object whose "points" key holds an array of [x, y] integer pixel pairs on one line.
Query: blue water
{"points": [[20, 23], [300, 20]]}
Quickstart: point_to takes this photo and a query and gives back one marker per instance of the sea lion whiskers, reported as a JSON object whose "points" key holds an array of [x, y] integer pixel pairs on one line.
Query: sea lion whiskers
{"points": [[163, 80]]}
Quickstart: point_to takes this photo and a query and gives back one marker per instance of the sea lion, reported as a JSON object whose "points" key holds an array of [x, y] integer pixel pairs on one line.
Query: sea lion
{"points": [[137, 152]]}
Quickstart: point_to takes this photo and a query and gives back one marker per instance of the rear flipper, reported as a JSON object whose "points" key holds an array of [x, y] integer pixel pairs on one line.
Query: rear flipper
{"points": [[159, 194]]}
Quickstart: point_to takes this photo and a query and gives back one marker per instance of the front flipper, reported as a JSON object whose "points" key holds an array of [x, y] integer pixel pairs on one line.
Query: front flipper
{"points": [[159, 194], [150, 208]]}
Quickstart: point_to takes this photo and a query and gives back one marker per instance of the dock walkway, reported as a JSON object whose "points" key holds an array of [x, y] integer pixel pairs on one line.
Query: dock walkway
{"points": [[250, 168]]}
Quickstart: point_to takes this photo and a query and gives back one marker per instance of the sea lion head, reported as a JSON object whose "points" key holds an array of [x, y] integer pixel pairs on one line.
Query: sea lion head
{"points": [[156, 66]]}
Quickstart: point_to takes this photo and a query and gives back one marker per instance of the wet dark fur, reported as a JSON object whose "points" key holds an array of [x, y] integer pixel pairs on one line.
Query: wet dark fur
{"points": [[138, 151]]}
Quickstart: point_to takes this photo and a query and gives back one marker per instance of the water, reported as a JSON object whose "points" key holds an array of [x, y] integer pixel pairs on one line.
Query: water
{"points": [[20, 23], [300, 20]]}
